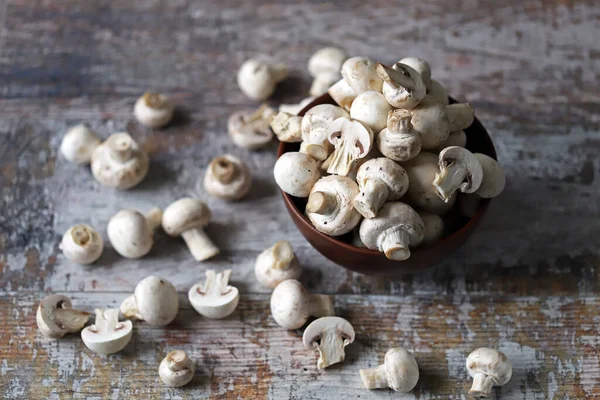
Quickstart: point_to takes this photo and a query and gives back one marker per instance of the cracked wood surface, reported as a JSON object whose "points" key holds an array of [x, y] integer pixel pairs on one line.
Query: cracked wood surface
{"points": [[526, 283]]}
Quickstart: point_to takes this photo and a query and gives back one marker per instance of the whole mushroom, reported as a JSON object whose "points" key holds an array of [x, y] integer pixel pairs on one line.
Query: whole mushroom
{"points": [[372, 109], [315, 125], [153, 110], [361, 75], [257, 78], [399, 141], [215, 298], [421, 66], [291, 305], [493, 177], [131, 233], [296, 173], [277, 264], [78, 144], [460, 116], [352, 140], [176, 369], [228, 178], [154, 300], [434, 227], [458, 138], [399, 372], [403, 87], [107, 335], [488, 368], [430, 120], [250, 129], [82, 243], [324, 66], [438, 92], [328, 335], [342, 94], [55, 317], [459, 170]]}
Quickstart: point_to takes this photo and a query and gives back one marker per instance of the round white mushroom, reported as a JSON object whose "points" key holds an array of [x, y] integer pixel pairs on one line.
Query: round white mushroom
{"points": [[215, 298], [250, 129], [277, 264], [296, 173], [82, 244], [291, 304], [176, 369], [399, 372], [153, 110], [434, 227], [342, 94], [257, 78], [78, 144], [131, 233], [493, 177], [107, 335], [55, 317], [228, 178], [324, 66], [372, 109], [399, 141], [488, 368], [329, 336], [154, 301]]}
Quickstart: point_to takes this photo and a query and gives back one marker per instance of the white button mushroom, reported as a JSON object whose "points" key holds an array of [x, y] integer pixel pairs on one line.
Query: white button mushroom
{"points": [[55, 317], [395, 229], [119, 162], [460, 116], [329, 335], [361, 75], [176, 369], [329, 205], [430, 120], [228, 178], [487, 367], [352, 141], [215, 298], [295, 109], [434, 227], [277, 264], [399, 141], [296, 173], [250, 129], [421, 66], [421, 194], [78, 144], [403, 87], [82, 243], [154, 300], [153, 110], [399, 372], [287, 127], [107, 335], [186, 218], [325, 66], [291, 304], [459, 170], [315, 125], [257, 79], [438, 92], [131, 233], [379, 180], [493, 177], [342, 94], [458, 138], [371, 108]]}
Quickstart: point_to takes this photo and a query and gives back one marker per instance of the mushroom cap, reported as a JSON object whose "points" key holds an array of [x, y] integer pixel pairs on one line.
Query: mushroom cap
{"points": [[215, 298], [296, 173], [55, 317], [361, 75], [153, 110], [248, 131], [129, 234], [316, 328], [493, 177], [345, 217], [185, 214], [388, 172], [458, 138], [490, 362], [176, 369], [438, 92], [468, 161], [430, 119], [228, 178], [399, 141], [82, 243], [277, 264], [371, 108], [403, 87], [78, 144], [342, 94], [111, 171], [328, 60], [289, 304], [434, 227], [257, 79], [421, 66], [156, 300], [402, 370], [110, 340], [315, 124]]}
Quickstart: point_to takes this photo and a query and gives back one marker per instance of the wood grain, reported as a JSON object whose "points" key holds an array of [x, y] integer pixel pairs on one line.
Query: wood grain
{"points": [[526, 283]]}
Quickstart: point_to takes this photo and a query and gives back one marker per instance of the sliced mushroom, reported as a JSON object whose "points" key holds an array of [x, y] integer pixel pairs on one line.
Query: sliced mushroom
{"points": [[153, 110], [488, 368], [421, 66], [287, 127], [119, 162], [154, 301], [258, 78], [352, 141], [250, 129], [324, 66], [296, 173], [131, 233], [82, 244], [176, 369], [399, 141], [434, 227], [493, 177], [228, 178], [107, 335], [403, 87], [215, 298], [399, 372], [78, 144], [291, 304], [277, 264], [342, 94], [55, 317], [372, 109], [361, 75], [459, 170], [438, 92], [315, 125], [328, 335], [379, 180]]}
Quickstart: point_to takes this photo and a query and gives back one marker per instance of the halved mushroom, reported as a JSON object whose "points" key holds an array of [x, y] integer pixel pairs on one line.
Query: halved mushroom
{"points": [[329, 335], [372, 109], [215, 298], [277, 264], [176, 369], [361, 75], [287, 127], [82, 243], [324, 65], [55, 317], [250, 129], [459, 170], [403, 87], [329, 205], [131, 233], [399, 372], [315, 125], [291, 304], [154, 300], [352, 140], [493, 177], [78, 144], [342, 94], [399, 141], [488, 368], [153, 110], [228, 178], [421, 66], [296, 173], [257, 78], [107, 335]]}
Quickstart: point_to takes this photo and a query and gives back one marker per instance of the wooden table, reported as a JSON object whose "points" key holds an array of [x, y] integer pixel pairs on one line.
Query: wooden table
{"points": [[527, 283]]}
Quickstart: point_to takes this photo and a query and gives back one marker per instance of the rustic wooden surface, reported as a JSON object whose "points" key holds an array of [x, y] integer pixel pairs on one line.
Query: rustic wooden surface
{"points": [[527, 283]]}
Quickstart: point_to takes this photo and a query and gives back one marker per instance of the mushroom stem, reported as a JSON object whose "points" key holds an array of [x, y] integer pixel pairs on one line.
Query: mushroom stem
{"points": [[106, 320], [199, 243], [321, 203], [216, 284], [394, 243], [395, 78], [316, 151], [71, 320], [223, 169], [371, 198], [129, 308], [374, 378], [81, 235], [331, 349], [449, 179], [120, 147], [153, 100], [320, 305], [177, 360], [400, 124], [482, 386], [154, 218]]}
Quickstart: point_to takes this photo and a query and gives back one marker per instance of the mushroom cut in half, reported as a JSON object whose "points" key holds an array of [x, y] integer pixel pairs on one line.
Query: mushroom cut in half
{"points": [[107, 335], [379, 180], [488, 368], [314, 127], [403, 87], [214, 299], [399, 141], [352, 141], [328, 335], [250, 129], [459, 170], [227, 178], [329, 206], [55, 317], [399, 372], [395, 229]]}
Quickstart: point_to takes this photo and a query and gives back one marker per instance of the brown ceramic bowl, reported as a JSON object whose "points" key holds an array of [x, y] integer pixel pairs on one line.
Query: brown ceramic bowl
{"points": [[371, 262]]}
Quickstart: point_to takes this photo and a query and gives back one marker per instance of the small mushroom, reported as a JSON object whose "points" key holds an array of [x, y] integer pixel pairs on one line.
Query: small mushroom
{"points": [[214, 299], [459, 170], [250, 129], [488, 368], [434, 227], [460, 116], [493, 177], [361, 75], [328, 335], [55, 317], [119, 162], [399, 372], [154, 300], [403, 87], [228, 178], [287, 127], [291, 304], [458, 138], [379, 180], [296, 173], [372, 109], [399, 141], [295, 109], [82, 243], [395, 229], [342, 94], [329, 205], [257, 78], [315, 125], [325, 65], [430, 120], [176, 369], [421, 66], [153, 110], [352, 140], [78, 144], [131, 232], [186, 218], [438, 92], [277, 264], [107, 335]]}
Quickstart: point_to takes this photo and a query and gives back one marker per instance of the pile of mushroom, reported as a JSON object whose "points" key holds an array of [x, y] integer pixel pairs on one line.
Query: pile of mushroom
{"points": [[388, 160]]}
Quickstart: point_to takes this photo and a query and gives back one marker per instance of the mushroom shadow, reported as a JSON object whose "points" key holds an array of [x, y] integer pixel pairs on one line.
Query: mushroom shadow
{"points": [[291, 89], [261, 188], [158, 175]]}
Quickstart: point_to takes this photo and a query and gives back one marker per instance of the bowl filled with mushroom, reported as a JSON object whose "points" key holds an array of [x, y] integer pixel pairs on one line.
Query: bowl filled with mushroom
{"points": [[385, 174]]}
